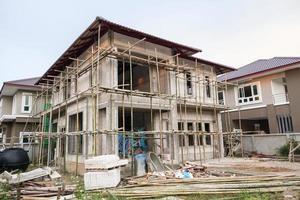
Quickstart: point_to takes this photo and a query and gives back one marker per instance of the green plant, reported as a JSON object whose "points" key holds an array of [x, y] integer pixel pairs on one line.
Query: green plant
{"points": [[79, 192], [285, 149], [82, 194], [258, 195], [4, 189]]}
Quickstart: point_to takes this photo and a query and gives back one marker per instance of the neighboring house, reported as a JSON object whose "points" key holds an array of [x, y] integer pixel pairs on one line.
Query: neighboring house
{"points": [[16, 104], [266, 96], [172, 92]]}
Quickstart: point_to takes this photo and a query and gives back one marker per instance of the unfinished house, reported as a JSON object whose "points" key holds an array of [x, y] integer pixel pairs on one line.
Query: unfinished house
{"points": [[16, 104], [117, 90]]}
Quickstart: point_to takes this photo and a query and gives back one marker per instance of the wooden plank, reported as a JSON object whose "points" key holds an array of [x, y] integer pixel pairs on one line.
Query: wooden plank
{"points": [[64, 197]]}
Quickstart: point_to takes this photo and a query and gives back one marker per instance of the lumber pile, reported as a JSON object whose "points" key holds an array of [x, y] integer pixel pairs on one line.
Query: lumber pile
{"points": [[153, 188], [40, 191], [40, 183]]}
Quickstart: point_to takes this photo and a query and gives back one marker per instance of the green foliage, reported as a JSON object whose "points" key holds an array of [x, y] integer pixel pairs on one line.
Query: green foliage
{"points": [[285, 149], [243, 195], [4, 189], [82, 194]]}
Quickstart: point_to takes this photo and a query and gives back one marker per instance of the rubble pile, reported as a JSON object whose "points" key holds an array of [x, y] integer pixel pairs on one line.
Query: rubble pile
{"points": [[189, 170], [40, 183]]}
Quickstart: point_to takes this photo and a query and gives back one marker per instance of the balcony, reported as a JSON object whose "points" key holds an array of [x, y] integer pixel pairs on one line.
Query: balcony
{"points": [[280, 98]]}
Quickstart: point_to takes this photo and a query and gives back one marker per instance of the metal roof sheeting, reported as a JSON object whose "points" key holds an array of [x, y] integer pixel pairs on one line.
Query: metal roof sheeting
{"points": [[24, 82], [259, 66], [28, 83]]}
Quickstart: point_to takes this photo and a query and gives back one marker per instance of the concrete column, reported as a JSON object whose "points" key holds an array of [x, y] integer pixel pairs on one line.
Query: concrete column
{"points": [[293, 81], [221, 136], [271, 113], [174, 126]]}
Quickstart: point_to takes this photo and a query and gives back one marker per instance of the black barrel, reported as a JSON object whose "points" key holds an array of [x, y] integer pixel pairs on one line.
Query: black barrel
{"points": [[13, 158]]}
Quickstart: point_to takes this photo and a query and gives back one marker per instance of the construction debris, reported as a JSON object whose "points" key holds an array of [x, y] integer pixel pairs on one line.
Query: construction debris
{"points": [[26, 176], [103, 171], [187, 171], [154, 188], [40, 183]]}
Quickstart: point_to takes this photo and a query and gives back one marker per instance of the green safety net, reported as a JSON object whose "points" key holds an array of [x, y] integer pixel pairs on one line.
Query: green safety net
{"points": [[46, 127]]}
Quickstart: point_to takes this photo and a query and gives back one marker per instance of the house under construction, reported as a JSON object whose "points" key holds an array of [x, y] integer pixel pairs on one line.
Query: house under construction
{"points": [[117, 90]]}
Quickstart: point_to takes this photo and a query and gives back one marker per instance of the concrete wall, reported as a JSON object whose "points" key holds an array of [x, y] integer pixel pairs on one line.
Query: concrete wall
{"points": [[6, 105], [265, 83], [17, 102], [293, 82], [266, 143], [123, 41]]}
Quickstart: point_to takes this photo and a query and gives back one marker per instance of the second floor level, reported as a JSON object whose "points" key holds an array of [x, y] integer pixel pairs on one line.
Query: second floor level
{"points": [[277, 85], [18, 97], [120, 59]]}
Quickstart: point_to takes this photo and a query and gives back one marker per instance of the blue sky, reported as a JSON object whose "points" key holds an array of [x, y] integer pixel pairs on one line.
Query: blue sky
{"points": [[33, 34]]}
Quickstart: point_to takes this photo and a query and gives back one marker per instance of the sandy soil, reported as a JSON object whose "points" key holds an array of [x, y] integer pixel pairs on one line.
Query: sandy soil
{"points": [[254, 166]]}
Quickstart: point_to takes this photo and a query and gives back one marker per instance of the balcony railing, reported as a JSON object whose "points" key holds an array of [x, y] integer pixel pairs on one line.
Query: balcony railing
{"points": [[280, 98]]}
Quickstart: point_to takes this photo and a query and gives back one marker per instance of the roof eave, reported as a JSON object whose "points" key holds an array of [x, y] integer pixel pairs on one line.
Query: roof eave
{"points": [[263, 71], [222, 68], [117, 28]]}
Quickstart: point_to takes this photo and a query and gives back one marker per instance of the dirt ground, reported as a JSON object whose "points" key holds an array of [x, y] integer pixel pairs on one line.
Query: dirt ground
{"points": [[254, 166]]}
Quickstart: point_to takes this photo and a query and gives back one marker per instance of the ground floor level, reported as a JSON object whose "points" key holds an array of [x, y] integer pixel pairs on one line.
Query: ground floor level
{"points": [[174, 135], [17, 131], [260, 119]]}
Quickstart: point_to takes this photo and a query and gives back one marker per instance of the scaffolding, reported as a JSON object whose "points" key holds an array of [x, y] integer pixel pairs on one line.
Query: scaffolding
{"points": [[157, 102]]}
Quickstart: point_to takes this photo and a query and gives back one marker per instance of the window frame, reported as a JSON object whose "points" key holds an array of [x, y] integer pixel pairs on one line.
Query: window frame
{"points": [[208, 92], [191, 138], [223, 94], [208, 138], [29, 105], [2, 135], [189, 83], [27, 138], [247, 102], [73, 139]]}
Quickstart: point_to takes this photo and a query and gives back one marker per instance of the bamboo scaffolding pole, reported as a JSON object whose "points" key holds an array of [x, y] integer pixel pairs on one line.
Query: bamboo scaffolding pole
{"points": [[182, 141], [159, 105], [201, 112], [186, 122], [131, 113], [93, 71], [98, 80], [123, 111]]}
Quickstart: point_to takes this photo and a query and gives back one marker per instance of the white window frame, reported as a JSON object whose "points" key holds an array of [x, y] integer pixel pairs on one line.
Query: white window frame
{"points": [[24, 95], [29, 136], [248, 98], [2, 135]]}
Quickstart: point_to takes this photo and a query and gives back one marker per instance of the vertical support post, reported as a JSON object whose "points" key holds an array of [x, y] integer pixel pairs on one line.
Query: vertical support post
{"points": [[131, 113], [123, 111], [159, 105]]}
